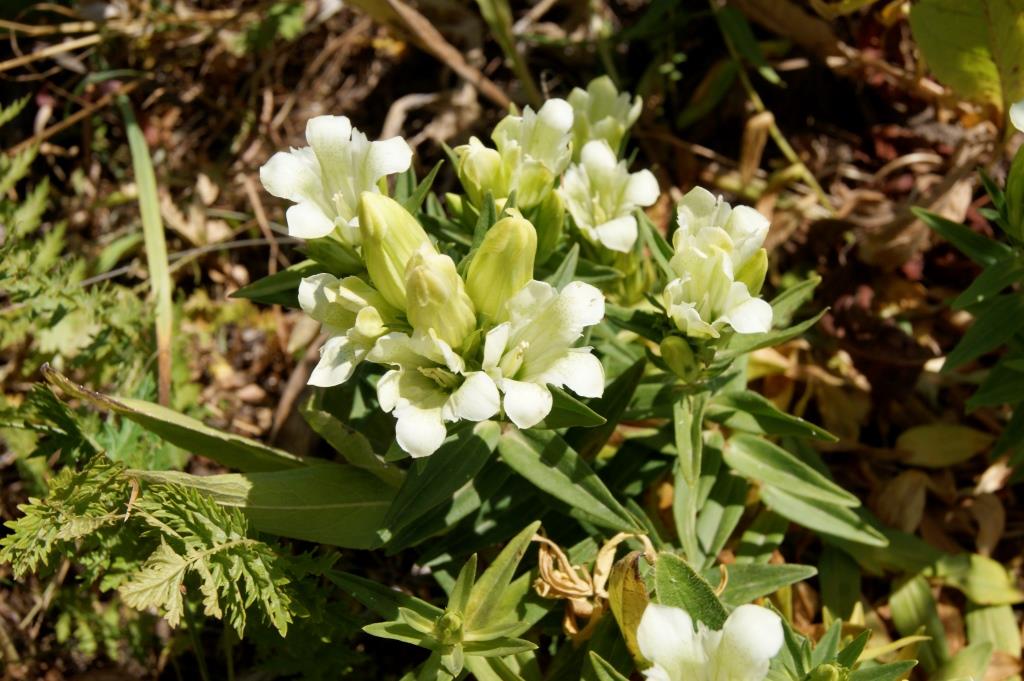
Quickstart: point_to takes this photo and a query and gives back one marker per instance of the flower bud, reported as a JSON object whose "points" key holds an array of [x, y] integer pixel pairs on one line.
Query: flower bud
{"points": [[437, 299], [548, 217], [502, 265], [829, 672], [678, 356], [391, 235], [481, 171], [753, 271]]}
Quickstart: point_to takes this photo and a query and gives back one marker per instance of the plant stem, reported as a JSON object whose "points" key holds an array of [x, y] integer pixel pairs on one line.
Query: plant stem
{"points": [[197, 649]]}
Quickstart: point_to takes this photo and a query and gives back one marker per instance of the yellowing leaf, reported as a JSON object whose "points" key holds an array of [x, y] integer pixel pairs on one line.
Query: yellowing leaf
{"points": [[938, 445], [975, 47]]}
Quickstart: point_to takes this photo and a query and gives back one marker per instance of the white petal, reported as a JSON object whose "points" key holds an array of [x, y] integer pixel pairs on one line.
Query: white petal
{"points": [[752, 636], [307, 221], [313, 294], [618, 234], [476, 399], [585, 302], [1017, 115], [289, 175], [642, 189], [752, 315], [419, 431], [495, 343], [666, 636], [526, 404], [657, 673], [598, 155], [579, 371], [388, 390], [338, 359], [329, 137], [533, 297], [697, 203], [397, 349], [387, 157], [556, 114]]}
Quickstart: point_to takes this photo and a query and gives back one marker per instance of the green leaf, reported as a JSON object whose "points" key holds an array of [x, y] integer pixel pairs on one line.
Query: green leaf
{"points": [[610, 407], [233, 451], [883, 672], [334, 256], [969, 663], [913, 610], [400, 631], [381, 599], [330, 504], [568, 411], [745, 343], [660, 249], [352, 445], [976, 48], [458, 598], [787, 303], [758, 459], [981, 579], [977, 247], [840, 581], [991, 282], [995, 624], [433, 480], [826, 518], [994, 325], [737, 31], [497, 647], [481, 610], [280, 288], [827, 647], [414, 201], [751, 412], [849, 655], [159, 584], [938, 445], [544, 458], [677, 584], [721, 512], [750, 581], [1003, 385], [604, 670], [566, 271]]}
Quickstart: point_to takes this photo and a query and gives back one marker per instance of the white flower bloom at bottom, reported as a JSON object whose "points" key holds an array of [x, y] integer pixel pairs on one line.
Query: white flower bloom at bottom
{"points": [[1017, 115], [534, 349], [741, 651], [428, 387]]}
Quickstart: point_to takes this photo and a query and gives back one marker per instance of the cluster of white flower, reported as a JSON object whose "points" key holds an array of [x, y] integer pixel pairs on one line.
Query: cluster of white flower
{"points": [[741, 651], [456, 349], [472, 343], [720, 265]]}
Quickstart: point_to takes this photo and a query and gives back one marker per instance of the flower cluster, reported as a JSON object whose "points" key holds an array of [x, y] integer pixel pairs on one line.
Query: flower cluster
{"points": [[720, 267], [455, 348], [741, 651]]}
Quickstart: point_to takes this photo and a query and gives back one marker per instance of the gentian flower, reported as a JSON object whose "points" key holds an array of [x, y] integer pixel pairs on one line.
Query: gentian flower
{"points": [[326, 178], [601, 195], [741, 651], [602, 113]]}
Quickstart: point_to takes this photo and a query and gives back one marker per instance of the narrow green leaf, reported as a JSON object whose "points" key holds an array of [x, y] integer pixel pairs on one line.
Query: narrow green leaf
{"points": [[995, 624], [750, 581], [753, 413], [977, 247], [760, 460], [280, 288], [433, 480], [913, 610], [233, 451], [567, 411], [970, 662], [380, 598], [745, 343], [826, 518], [330, 503], [414, 201], [458, 599], [604, 670], [352, 445], [543, 458], [991, 282], [481, 610], [883, 672], [994, 325]]}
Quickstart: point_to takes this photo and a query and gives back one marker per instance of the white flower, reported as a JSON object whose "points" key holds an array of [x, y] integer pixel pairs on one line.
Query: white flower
{"points": [[428, 387], [701, 212], [353, 313], [1017, 115], [534, 348], [706, 298], [601, 112], [741, 651], [325, 179], [601, 195]]}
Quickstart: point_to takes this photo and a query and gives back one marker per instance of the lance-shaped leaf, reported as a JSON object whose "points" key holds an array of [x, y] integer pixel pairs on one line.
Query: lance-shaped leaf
{"points": [[481, 606], [758, 459], [748, 411], [544, 458], [828, 518], [678, 585], [750, 581], [233, 451], [280, 288]]}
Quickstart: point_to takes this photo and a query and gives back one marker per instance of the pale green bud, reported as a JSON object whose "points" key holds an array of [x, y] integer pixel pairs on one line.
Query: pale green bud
{"points": [[437, 299], [536, 181], [753, 271], [829, 672], [679, 357], [448, 628], [502, 265], [391, 235], [548, 217], [481, 171]]}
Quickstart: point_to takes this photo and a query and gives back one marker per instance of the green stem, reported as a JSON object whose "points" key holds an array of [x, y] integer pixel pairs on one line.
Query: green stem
{"points": [[197, 649], [688, 414]]}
